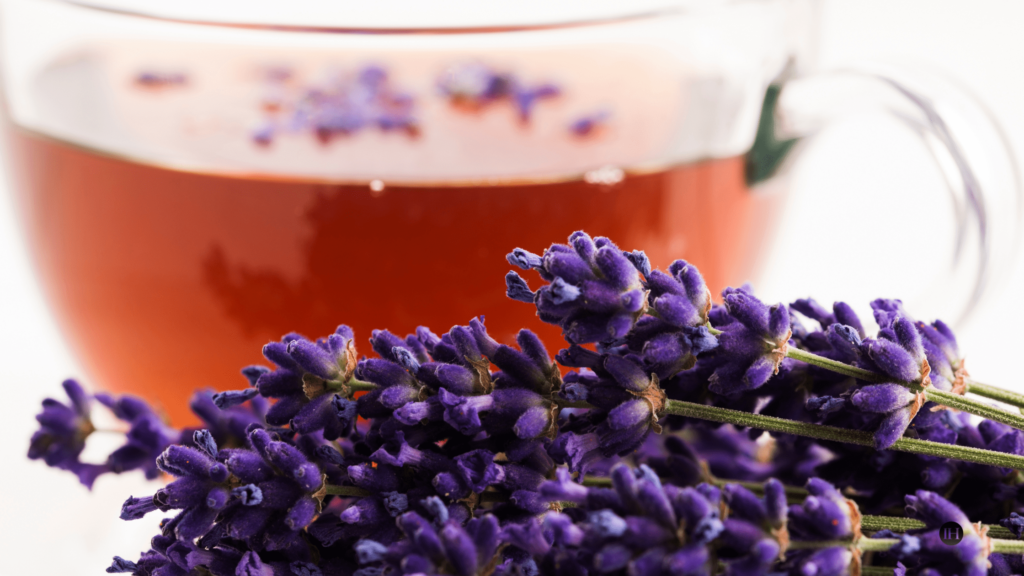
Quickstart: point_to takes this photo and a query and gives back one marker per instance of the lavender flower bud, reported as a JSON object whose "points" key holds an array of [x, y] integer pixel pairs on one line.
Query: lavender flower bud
{"points": [[882, 398]]}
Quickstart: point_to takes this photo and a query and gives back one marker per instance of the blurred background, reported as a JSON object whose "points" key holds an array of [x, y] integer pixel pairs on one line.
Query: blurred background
{"points": [[866, 180]]}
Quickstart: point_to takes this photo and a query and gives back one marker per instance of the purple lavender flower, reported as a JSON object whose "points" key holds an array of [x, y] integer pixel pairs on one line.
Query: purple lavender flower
{"points": [[897, 402], [589, 125], [146, 438], [675, 335], [261, 495], [725, 451], [341, 106], [525, 97], [899, 354], [833, 561], [393, 374], [62, 433], [627, 404], [523, 412], [824, 515], [680, 298], [474, 86], [882, 478], [935, 510], [469, 398], [64, 428], [888, 310], [768, 512], [753, 343], [594, 291], [1014, 523], [642, 526], [370, 518], [944, 358], [167, 556], [154, 79], [618, 528], [264, 134], [170, 556], [301, 381], [429, 545], [228, 426], [841, 314], [969, 556]]}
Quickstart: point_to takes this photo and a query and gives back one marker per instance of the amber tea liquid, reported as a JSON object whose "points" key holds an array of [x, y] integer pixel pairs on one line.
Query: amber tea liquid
{"points": [[167, 281]]}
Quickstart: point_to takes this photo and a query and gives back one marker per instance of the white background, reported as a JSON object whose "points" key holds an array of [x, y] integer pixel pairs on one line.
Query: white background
{"points": [[50, 525]]}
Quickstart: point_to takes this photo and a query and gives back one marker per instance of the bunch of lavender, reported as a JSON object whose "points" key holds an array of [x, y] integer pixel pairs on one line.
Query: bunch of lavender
{"points": [[767, 361], [894, 411], [459, 433]]}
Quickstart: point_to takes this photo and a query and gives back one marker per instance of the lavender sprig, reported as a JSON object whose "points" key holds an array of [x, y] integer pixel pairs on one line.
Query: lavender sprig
{"points": [[831, 433], [995, 393], [940, 397], [592, 294], [822, 432]]}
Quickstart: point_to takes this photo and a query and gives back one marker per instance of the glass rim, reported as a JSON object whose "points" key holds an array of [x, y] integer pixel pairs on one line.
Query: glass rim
{"points": [[397, 16]]}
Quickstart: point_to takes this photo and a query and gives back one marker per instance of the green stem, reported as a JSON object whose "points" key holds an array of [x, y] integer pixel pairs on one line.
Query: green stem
{"points": [[876, 571], [865, 544], [336, 490], [1005, 396], [974, 407], [1000, 546], [999, 532], [831, 433], [931, 394], [883, 544], [357, 385], [834, 366], [354, 385], [872, 523], [794, 494], [758, 487]]}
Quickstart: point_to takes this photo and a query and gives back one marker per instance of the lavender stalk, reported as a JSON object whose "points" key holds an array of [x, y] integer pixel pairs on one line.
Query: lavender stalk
{"points": [[931, 394]]}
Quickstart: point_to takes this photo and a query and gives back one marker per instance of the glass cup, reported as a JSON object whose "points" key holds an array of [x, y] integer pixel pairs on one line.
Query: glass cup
{"points": [[198, 178]]}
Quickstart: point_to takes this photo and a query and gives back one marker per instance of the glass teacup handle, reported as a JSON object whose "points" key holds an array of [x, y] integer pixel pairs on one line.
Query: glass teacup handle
{"points": [[973, 156]]}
